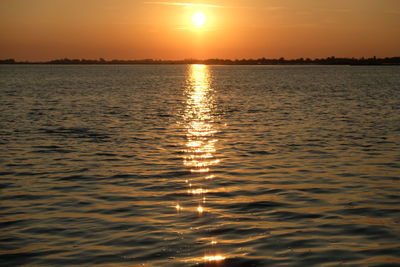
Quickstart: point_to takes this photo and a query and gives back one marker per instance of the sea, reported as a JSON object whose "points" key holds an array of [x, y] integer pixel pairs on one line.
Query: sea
{"points": [[199, 165]]}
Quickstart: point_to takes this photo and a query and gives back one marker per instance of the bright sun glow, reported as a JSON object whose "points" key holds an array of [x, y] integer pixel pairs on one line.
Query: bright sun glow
{"points": [[199, 19]]}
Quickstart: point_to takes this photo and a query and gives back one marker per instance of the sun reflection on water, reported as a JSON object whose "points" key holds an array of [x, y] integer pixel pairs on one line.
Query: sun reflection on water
{"points": [[214, 258], [200, 209], [200, 147], [199, 122], [197, 191]]}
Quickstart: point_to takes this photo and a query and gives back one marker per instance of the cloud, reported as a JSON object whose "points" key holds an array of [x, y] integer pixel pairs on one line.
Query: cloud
{"points": [[275, 8], [188, 4], [207, 29], [336, 10]]}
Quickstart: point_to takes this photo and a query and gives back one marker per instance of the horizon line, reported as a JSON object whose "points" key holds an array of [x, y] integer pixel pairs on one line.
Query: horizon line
{"points": [[215, 61], [199, 59]]}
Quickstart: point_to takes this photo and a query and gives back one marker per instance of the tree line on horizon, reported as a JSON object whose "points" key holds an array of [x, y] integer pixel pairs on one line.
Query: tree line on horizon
{"points": [[261, 61]]}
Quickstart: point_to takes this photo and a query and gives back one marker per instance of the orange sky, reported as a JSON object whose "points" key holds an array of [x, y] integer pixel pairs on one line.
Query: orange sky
{"points": [[137, 29]]}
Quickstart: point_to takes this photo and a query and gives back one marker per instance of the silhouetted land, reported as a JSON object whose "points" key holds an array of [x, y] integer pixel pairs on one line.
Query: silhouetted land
{"points": [[216, 61]]}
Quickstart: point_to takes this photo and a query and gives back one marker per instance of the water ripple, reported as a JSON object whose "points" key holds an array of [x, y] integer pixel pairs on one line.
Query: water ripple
{"points": [[199, 165]]}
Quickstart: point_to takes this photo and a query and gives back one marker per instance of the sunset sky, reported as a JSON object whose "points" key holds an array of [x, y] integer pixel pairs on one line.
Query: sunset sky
{"points": [[137, 29]]}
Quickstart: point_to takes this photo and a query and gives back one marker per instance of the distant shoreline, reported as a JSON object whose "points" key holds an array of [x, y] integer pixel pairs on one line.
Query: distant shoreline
{"points": [[374, 61]]}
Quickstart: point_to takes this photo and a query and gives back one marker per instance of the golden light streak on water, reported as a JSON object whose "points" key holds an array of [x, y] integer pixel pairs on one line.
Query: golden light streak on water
{"points": [[214, 258], [200, 209], [197, 191], [178, 207], [200, 146], [196, 163]]}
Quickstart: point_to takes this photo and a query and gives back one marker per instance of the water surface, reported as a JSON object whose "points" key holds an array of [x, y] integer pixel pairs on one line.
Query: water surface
{"points": [[199, 165]]}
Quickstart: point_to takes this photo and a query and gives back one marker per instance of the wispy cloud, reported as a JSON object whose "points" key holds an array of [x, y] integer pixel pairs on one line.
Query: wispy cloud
{"points": [[335, 10], [192, 29], [275, 8], [188, 4]]}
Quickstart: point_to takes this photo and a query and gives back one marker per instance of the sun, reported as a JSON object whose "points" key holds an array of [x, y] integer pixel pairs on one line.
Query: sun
{"points": [[199, 19]]}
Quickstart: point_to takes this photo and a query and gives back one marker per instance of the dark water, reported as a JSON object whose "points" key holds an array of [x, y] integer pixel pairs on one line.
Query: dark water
{"points": [[200, 165]]}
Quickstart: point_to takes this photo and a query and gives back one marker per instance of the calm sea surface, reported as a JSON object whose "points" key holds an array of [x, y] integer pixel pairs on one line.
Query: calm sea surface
{"points": [[199, 165]]}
